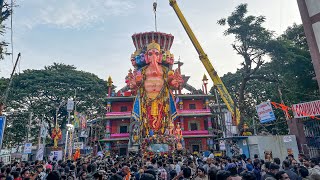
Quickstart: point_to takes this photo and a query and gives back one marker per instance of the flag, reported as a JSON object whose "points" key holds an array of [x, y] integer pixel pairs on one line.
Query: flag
{"points": [[136, 112], [83, 121], [172, 105], [43, 130], [76, 122]]}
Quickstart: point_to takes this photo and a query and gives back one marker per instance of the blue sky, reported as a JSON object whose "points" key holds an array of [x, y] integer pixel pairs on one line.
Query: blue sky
{"points": [[95, 35]]}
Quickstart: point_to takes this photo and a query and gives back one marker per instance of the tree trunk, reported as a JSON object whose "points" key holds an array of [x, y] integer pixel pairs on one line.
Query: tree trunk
{"points": [[241, 102]]}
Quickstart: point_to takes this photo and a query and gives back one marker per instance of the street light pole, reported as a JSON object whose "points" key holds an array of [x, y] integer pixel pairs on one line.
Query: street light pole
{"points": [[66, 145], [29, 124], [221, 119], [70, 106]]}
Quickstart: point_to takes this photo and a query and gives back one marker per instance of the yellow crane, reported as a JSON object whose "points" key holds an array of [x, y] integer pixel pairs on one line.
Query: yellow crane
{"points": [[207, 64]]}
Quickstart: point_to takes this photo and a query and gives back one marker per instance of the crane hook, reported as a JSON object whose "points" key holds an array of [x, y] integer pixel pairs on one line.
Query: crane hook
{"points": [[155, 13]]}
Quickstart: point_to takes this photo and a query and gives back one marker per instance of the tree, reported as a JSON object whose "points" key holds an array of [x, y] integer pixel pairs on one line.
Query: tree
{"points": [[291, 62], [16, 130], [41, 92], [291, 68], [252, 42], [5, 13], [3, 84], [3, 87]]}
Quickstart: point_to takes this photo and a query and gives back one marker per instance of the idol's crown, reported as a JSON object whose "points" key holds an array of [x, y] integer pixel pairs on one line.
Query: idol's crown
{"points": [[141, 40], [153, 45]]}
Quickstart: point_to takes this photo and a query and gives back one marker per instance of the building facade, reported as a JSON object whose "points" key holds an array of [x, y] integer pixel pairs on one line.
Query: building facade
{"points": [[310, 16], [199, 125], [152, 106]]}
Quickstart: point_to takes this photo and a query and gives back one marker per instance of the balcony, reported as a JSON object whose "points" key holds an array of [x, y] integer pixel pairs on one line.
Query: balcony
{"points": [[117, 137], [199, 133], [195, 96], [118, 115], [120, 98], [194, 112], [120, 135]]}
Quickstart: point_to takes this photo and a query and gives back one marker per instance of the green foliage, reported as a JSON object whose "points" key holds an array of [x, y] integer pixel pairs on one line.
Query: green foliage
{"points": [[292, 64], [290, 71], [247, 29], [42, 91], [252, 42], [16, 130], [3, 84], [5, 14]]}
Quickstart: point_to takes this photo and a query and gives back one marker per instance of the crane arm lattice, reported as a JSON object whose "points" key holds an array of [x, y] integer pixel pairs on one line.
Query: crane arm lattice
{"points": [[207, 64]]}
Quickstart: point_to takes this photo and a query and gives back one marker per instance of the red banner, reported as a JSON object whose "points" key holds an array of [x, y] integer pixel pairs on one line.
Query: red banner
{"points": [[308, 109]]}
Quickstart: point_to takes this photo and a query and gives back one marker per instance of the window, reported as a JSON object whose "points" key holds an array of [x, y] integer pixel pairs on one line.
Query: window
{"points": [[124, 108], [192, 106], [123, 129], [205, 124], [193, 126], [195, 148], [123, 151]]}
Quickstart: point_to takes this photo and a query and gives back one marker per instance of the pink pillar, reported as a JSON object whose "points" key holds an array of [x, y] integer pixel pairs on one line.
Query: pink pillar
{"points": [[181, 105], [182, 123], [108, 129], [209, 123], [108, 107], [207, 104]]}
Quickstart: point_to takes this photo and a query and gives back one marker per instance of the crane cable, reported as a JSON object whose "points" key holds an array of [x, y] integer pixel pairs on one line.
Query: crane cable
{"points": [[155, 3], [4, 97], [11, 30]]}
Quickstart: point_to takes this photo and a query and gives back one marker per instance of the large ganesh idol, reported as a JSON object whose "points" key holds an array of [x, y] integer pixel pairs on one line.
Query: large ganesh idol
{"points": [[152, 81]]}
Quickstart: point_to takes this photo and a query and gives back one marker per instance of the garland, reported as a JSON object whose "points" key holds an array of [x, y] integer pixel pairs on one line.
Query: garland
{"points": [[162, 99]]}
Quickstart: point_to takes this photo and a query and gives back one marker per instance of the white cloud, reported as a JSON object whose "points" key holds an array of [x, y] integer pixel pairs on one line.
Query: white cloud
{"points": [[69, 13], [113, 58]]}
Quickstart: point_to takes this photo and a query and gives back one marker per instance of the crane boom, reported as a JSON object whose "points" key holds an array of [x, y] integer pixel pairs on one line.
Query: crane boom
{"points": [[207, 64]]}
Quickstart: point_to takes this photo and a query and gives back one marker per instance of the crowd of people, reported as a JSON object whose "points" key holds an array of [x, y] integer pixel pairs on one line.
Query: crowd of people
{"points": [[166, 167]]}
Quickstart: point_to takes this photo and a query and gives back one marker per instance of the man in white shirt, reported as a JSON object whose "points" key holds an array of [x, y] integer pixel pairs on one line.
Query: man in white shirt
{"points": [[177, 167], [211, 154]]}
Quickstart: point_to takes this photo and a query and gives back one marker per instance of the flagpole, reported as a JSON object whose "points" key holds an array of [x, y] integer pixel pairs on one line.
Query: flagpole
{"points": [[39, 139]]}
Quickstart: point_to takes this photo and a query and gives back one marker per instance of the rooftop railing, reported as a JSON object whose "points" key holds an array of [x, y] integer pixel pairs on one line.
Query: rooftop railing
{"points": [[126, 113], [190, 111]]}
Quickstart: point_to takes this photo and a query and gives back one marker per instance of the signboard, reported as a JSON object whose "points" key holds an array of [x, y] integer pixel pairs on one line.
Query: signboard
{"points": [[70, 105], [77, 145], [265, 112], [83, 121], [222, 145], [40, 152], [244, 142], [100, 154], [24, 157], [287, 138], [306, 109], [2, 127], [43, 130], [84, 134], [57, 155], [27, 148], [159, 147]]}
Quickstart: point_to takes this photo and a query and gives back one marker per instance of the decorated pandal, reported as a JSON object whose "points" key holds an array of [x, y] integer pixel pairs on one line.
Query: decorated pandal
{"points": [[152, 81]]}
